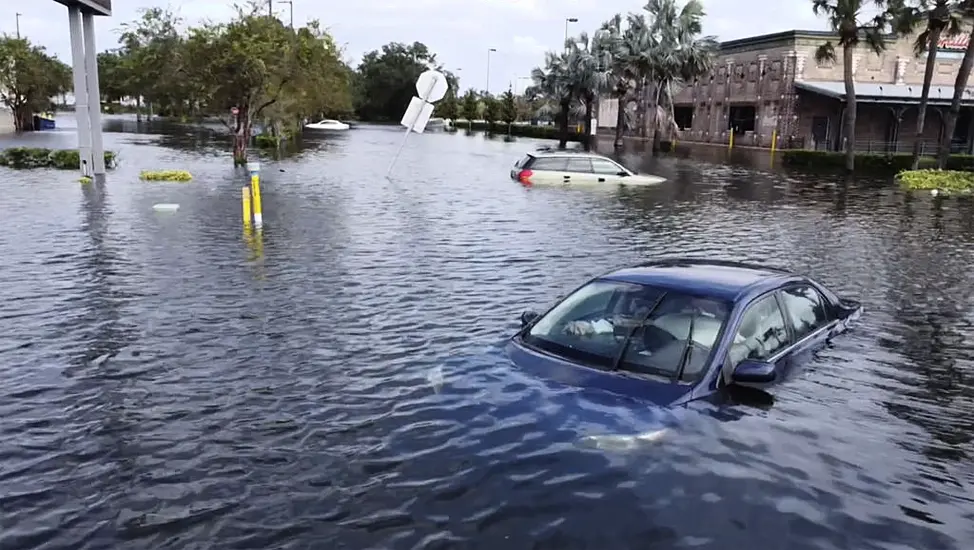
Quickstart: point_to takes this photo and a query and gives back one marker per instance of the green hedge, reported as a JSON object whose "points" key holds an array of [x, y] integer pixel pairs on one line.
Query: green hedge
{"points": [[869, 162], [62, 159], [520, 130]]}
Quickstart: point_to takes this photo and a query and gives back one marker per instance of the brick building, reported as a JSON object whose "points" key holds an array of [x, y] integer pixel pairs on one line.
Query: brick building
{"points": [[772, 85]]}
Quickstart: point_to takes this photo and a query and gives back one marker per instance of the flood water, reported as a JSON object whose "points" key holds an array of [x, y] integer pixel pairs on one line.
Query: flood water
{"points": [[339, 381]]}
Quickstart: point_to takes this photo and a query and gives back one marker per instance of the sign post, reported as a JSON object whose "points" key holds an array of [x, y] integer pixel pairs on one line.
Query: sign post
{"points": [[431, 87], [87, 107]]}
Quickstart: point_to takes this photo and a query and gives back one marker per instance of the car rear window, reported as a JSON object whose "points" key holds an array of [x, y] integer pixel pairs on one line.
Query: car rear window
{"points": [[524, 161], [553, 164]]}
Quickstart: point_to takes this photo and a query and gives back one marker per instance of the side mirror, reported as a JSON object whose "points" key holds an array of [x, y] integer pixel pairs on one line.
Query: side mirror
{"points": [[623, 174], [754, 372], [528, 317]]}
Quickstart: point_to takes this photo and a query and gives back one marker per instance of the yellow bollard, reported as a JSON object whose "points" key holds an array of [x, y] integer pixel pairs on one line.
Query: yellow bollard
{"points": [[774, 140], [254, 169], [245, 202], [255, 193], [730, 143]]}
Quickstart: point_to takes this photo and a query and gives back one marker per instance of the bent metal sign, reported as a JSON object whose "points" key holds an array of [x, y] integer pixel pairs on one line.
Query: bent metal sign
{"points": [[99, 7]]}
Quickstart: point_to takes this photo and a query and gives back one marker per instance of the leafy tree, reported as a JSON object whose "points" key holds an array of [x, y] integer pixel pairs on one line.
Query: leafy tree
{"points": [[469, 107], [153, 60], [386, 79], [492, 109], [449, 106], [845, 18], [508, 109], [112, 76], [29, 78]]}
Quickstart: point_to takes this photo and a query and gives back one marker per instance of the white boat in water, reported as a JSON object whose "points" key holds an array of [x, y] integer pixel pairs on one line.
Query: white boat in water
{"points": [[327, 125]]}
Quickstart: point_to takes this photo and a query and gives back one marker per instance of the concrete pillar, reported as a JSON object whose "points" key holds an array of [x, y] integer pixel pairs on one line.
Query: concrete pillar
{"points": [[94, 96], [80, 89]]}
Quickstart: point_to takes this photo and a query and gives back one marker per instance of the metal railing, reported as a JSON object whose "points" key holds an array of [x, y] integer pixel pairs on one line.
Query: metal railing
{"points": [[927, 147]]}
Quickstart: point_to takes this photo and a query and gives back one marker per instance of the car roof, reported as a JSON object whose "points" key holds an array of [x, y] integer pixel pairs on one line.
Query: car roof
{"points": [[546, 152], [725, 280]]}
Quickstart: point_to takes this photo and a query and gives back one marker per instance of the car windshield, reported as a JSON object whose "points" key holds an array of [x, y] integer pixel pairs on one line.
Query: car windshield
{"points": [[633, 327]]}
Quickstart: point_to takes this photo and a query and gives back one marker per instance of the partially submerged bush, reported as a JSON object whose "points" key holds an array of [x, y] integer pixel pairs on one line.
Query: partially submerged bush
{"points": [[24, 158], [951, 181], [165, 175]]}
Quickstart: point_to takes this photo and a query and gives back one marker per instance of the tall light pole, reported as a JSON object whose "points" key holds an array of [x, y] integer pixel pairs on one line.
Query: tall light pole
{"points": [[18, 25], [290, 4], [488, 67], [567, 21]]}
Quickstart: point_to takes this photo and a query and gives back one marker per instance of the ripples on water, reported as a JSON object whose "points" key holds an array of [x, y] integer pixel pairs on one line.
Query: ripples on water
{"points": [[165, 387]]}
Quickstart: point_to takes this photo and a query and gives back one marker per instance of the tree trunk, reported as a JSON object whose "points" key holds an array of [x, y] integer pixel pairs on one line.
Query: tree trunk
{"points": [[641, 109], [23, 119], [620, 121], [950, 122], [925, 94], [672, 121], [656, 120], [241, 137], [587, 140], [850, 110], [138, 109], [563, 134]]}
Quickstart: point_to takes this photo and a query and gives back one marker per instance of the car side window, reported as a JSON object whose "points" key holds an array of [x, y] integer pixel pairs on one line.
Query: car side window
{"points": [[555, 164], [761, 334], [582, 165], [806, 309], [604, 167]]}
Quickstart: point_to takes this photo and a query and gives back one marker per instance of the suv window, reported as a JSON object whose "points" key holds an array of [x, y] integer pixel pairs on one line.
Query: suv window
{"points": [[602, 166], [761, 334], [806, 309], [553, 164], [523, 161], [582, 165]]}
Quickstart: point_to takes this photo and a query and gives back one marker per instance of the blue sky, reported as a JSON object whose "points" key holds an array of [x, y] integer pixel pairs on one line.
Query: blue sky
{"points": [[460, 32]]}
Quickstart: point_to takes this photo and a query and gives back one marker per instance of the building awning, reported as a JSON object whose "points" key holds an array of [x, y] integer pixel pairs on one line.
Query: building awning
{"points": [[871, 92]]}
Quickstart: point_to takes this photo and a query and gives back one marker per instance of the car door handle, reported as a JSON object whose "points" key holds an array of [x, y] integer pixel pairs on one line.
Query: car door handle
{"points": [[601, 180]]}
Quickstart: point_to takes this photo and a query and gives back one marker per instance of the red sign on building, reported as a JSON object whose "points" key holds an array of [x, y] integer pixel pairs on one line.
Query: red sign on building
{"points": [[956, 42]]}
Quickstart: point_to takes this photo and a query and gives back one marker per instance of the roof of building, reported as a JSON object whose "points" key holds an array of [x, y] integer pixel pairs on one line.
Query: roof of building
{"points": [[777, 38], [873, 92], [720, 279]]}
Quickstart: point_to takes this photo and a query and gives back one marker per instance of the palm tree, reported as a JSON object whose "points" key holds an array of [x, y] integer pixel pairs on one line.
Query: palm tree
{"points": [[942, 18], [966, 7], [553, 82], [683, 55], [620, 46], [587, 77], [843, 17]]}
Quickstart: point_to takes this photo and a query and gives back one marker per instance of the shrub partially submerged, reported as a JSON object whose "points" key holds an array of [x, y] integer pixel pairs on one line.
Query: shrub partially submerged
{"points": [[950, 181], [165, 175], [23, 158]]}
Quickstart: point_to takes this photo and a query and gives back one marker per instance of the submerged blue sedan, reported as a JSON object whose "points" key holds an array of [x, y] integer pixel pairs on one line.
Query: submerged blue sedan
{"points": [[679, 330]]}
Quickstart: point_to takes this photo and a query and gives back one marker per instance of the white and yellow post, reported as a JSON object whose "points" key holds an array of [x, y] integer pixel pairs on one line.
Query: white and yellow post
{"points": [[254, 169]]}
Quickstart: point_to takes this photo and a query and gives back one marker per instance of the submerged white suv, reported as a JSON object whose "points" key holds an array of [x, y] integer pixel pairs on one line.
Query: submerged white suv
{"points": [[547, 167]]}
